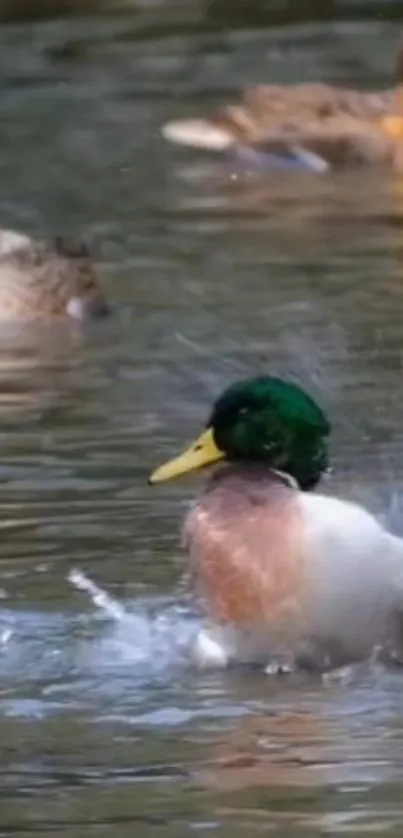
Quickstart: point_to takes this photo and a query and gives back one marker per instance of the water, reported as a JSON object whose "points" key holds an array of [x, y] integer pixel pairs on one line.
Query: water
{"points": [[107, 727]]}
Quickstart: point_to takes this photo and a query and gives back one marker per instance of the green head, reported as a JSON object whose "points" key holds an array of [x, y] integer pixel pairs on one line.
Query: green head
{"points": [[266, 420]]}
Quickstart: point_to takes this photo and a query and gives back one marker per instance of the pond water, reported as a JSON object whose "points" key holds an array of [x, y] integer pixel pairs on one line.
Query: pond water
{"points": [[106, 728]]}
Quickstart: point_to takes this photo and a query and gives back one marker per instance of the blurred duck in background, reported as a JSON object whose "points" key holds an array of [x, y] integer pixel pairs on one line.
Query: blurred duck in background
{"points": [[311, 126], [41, 279]]}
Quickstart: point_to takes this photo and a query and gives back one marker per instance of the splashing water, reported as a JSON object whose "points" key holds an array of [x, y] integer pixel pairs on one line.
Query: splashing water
{"points": [[99, 597], [154, 637], [112, 658]]}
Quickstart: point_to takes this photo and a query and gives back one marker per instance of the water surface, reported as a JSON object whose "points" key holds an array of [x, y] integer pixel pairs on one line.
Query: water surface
{"points": [[106, 726]]}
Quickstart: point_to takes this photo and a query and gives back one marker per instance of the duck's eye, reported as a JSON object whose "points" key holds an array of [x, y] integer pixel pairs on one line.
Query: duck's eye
{"points": [[243, 411]]}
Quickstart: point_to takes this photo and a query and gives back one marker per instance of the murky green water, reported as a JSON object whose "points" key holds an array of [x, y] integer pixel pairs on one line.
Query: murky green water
{"points": [[105, 727]]}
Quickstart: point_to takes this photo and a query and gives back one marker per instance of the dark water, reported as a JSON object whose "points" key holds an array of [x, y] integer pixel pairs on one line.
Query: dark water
{"points": [[105, 727]]}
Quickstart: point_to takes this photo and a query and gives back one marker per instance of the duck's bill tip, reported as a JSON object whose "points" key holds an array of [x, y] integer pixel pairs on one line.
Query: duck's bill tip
{"points": [[198, 133], [168, 471], [201, 453]]}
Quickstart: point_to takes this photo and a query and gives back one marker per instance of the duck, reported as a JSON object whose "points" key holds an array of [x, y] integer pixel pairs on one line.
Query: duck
{"points": [[287, 577], [312, 126], [42, 279]]}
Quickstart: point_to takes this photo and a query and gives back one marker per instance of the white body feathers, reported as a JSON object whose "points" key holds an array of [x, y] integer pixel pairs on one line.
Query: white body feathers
{"points": [[354, 574]]}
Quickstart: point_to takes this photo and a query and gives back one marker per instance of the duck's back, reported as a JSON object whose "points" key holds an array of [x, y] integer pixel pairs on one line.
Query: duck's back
{"points": [[267, 109], [41, 279], [338, 124]]}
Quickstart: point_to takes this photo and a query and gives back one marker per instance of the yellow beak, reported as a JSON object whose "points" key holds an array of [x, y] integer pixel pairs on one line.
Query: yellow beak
{"points": [[201, 453]]}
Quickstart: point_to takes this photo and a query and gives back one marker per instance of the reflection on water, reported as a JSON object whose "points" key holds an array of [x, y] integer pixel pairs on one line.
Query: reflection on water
{"points": [[106, 726]]}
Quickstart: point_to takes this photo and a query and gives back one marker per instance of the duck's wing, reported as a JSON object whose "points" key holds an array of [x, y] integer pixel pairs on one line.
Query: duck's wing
{"points": [[281, 154], [340, 144]]}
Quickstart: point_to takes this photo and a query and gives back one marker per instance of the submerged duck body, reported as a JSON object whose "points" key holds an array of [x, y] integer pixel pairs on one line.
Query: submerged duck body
{"points": [[336, 125], [285, 573], [46, 279]]}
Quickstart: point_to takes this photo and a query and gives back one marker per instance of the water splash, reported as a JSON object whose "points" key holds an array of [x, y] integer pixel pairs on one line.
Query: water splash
{"points": [[109, 659], [152, 635], [99, 597]]}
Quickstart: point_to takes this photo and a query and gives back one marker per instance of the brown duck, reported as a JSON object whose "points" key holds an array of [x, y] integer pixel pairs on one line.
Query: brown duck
{"points": [[44, 279], [317, 125]]}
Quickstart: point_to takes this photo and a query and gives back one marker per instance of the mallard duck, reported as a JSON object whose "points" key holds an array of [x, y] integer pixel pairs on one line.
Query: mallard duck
{"points": [[41, 279], [308, 125], [286, 574]]}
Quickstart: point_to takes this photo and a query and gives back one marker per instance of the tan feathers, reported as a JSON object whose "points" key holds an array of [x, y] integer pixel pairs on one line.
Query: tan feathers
{"points": [[46, 279]]}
